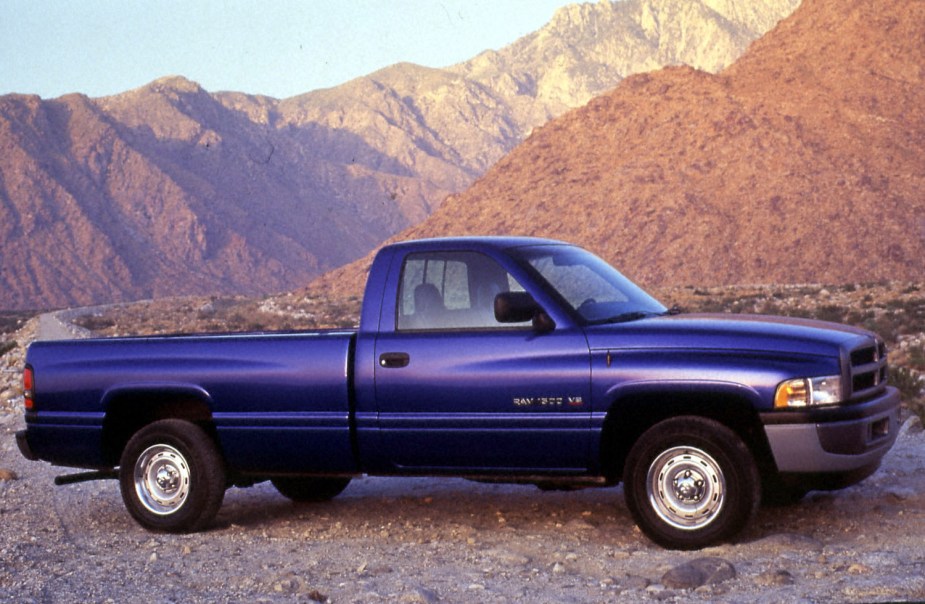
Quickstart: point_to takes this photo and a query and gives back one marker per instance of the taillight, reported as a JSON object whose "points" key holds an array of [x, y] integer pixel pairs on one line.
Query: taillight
{"points": [[28, 387]]}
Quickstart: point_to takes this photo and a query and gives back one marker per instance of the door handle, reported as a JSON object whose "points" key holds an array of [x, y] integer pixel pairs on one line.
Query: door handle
{"points": [[394, 360]]}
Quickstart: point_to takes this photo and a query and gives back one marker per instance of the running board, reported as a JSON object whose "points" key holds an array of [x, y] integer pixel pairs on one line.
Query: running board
{"points": [[86, 477]]}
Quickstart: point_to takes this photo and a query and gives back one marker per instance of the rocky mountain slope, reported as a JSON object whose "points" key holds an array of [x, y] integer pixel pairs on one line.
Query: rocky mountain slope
{"points": [[170, 189], [802, 162]]}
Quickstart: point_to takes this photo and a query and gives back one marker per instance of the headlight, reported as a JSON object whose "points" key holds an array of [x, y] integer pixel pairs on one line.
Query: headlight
{"points": [[808, 391]]}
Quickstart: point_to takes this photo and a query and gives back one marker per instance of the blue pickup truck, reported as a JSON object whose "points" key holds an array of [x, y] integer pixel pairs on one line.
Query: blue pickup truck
{"points": [[503, 359]]}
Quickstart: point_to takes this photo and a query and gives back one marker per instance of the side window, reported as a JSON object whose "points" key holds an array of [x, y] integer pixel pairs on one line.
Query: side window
{"points": [[451, 290]]}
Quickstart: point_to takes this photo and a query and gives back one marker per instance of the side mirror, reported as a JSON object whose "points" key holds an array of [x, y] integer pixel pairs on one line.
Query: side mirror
{"points": [[518, 307]]}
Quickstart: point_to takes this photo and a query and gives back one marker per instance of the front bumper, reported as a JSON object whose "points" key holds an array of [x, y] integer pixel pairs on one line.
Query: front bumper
{"points": [[849, 440], [22, 441]]}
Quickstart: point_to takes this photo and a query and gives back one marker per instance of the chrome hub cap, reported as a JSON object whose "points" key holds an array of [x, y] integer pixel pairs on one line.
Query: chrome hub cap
{"points": [[162, 479], [686, 487]]}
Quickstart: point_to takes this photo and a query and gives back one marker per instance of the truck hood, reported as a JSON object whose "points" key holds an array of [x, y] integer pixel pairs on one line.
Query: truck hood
{"points": [[729, 332]]}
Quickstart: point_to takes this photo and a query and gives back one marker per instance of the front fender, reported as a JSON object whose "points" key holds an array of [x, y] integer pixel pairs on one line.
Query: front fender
{"points": [[682, 388], [634, 407]]}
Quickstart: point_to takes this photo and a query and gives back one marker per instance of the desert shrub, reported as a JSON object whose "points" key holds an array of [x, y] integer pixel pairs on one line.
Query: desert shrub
{"points": [[909, 382], [830, 312], [917, 407], [858, 317], [5, 347], [798, 312], [772, 308], [709, 305], [887, 325], [917, 357], [811, 291], [12, 320], [911, 385], [94, 322]]}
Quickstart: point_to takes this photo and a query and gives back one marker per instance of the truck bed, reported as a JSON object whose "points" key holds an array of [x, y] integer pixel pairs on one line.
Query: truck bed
{"points": [[291, 389]]}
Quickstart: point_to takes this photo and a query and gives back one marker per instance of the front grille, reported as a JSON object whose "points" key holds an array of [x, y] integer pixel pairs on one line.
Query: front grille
{"points": [[868, 368]]}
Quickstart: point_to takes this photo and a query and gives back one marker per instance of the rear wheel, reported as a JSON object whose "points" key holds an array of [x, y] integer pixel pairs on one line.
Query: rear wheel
{"points": [[690, 482], [172, 477], [310, 488]]}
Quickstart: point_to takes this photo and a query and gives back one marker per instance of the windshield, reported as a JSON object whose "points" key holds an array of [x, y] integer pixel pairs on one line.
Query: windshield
{"points": [[589, 286]]}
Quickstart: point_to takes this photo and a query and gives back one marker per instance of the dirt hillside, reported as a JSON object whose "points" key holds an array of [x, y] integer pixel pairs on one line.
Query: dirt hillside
{"points": [[802, 162]]}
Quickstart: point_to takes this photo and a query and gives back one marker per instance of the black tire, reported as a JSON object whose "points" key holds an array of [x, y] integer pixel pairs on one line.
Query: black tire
{"points": [[775, 493], [305, 489], [691, 482], [172, 477]]}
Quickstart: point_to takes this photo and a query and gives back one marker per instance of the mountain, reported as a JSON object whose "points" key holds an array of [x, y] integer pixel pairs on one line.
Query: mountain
{"points": [[804, 161], [170, 189], [163, 191]]}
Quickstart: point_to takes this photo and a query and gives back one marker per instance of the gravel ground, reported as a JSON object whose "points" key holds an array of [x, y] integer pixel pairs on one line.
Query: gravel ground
{"points": [[448, 540]]}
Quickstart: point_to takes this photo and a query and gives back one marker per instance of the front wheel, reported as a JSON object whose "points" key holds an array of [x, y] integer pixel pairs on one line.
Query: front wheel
{"points": [[690, 482], [172, 477]]}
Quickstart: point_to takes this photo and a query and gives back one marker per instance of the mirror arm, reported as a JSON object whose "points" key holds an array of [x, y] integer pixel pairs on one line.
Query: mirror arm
{"points": [[542, 322]]}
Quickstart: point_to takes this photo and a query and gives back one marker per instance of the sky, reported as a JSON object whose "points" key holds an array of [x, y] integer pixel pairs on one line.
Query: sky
{"points": [[279, 48]]}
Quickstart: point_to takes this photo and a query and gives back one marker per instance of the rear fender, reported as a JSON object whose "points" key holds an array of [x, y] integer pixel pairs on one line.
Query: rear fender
{"points": [[130, 407]]}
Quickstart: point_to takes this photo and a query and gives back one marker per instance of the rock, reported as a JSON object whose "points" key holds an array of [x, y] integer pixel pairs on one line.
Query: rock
{"points": [[913, 425], [633, 582], [702, 571], [206, 310], [777, 577], [508, 558], [899, 493], [788, 542], [858, 569], [294, 584], [419, 595], [7, 474], [579, 525]]}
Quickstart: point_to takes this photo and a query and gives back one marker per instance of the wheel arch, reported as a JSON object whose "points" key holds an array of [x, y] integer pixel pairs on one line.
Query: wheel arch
{"points": [[633, 410], [128, 409]]}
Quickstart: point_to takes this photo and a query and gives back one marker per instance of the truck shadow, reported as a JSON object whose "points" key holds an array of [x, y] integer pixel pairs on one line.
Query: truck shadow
{"points": [[451, 508], [432, 505]]}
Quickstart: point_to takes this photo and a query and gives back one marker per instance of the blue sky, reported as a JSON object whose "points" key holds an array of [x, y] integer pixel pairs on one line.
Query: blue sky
{"points": [[280, 48]]}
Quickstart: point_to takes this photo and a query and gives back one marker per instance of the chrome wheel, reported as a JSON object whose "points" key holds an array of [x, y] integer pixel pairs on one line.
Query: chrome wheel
{"points": [[172, 476], [162, 479], [686, 488], [690, 482]]}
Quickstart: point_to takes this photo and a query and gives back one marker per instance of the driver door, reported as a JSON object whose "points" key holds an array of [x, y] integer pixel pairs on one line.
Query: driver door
{"points": [[456, 390]]}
